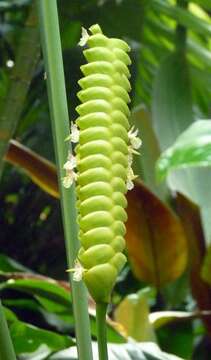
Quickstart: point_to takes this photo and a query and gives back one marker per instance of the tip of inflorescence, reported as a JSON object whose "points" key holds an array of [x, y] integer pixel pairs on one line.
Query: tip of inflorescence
{"points": [[95, 29]]}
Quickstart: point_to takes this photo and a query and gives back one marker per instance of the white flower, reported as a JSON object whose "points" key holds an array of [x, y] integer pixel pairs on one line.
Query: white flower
{"points": [[130, 185], [134, 139], [68, 179], [70, 173], [130, 157], [84, 37], [78, 271], [74, 136], [70, 163], [130, 178]]}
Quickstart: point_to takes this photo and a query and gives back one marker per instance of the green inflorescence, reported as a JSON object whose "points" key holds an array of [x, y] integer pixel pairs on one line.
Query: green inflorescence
{"points": [[103, 159]]}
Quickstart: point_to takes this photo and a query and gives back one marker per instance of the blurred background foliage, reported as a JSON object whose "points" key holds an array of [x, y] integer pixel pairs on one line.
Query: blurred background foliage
{"points": [[163, 295]]}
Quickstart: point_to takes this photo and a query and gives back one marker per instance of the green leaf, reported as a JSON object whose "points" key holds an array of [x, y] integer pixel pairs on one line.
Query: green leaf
{"points": [[189, 157], [183, 17], [10, 316], [144, 164], [47, 289], [27, 339], [7, 264], [171, 102], [55, 299], [177, 338], [192, 148], [204, 3]]}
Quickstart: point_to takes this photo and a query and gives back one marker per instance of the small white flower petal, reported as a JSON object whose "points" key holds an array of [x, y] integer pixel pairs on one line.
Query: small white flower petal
{"points": [[136, 142], [67, 181], [78, 275], [70, 163], [129, 185], [71, 176], [84, 37], [134, 139], [130, 178], [74, 136], [78, 271], [130, 158]]}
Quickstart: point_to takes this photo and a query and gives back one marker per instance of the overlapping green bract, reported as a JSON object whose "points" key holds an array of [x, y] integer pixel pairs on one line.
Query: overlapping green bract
{"points": [[102, 161]]}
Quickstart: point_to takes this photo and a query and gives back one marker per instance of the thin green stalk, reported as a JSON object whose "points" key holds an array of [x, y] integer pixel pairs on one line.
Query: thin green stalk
{"points": [[101, 309], [181, 31], [6, 347], [51, 46]]}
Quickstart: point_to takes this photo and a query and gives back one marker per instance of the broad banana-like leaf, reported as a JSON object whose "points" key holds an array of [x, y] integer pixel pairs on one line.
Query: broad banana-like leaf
{"points": [[172, 114], [171, 101]]}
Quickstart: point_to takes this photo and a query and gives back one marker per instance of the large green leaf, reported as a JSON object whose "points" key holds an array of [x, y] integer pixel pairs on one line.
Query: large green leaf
{"points": [[27, 339], [188, 164], [192, 148], [56, 300], [171, 102], [47, 289]]}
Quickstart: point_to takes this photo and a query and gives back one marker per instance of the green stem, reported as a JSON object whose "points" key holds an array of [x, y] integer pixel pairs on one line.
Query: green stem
{"points": [[181, 31], [51, 46], [6, 347], [101, 309], [25, 63]]}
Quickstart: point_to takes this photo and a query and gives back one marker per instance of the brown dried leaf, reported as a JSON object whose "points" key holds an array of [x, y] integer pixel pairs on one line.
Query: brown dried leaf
{"points": [[155, 238], [40, 170]]}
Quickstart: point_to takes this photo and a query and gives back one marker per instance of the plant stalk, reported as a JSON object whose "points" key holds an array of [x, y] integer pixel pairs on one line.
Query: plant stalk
{"points": [[6, 347], [51, 46], [181, 31], [101, 309]]}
